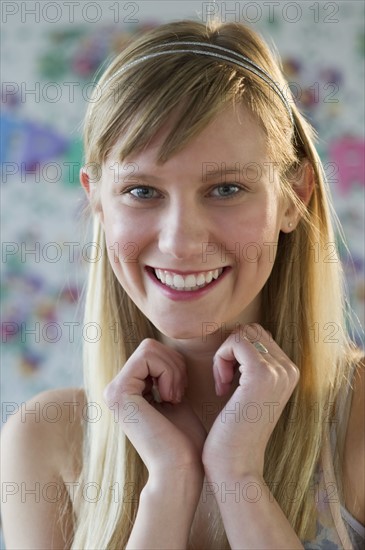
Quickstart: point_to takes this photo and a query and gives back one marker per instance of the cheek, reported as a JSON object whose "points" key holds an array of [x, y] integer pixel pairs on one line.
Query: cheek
{"points": [[255, 228], [126, 237], [118, 231]]}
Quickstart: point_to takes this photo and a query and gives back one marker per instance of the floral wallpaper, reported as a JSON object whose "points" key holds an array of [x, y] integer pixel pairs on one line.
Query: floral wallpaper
{"points": [[47, 79]]}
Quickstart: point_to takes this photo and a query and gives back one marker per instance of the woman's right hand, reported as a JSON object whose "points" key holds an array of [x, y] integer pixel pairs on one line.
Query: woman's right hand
{"points": [[168, 436]]}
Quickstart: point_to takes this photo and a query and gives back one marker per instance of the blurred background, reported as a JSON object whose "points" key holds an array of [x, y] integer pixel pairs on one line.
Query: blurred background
{"points": [[50, 53]]}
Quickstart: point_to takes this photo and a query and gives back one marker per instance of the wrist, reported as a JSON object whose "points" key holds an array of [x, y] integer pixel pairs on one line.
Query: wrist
{"points": [[219, 473], [187, 483], [166, 510], [233, 468]]}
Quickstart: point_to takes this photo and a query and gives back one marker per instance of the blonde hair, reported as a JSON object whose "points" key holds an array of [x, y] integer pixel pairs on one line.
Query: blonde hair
{"points": [[135, 105]]}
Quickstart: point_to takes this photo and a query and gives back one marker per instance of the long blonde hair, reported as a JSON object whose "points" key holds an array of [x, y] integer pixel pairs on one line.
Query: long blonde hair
{"points": [[303, 304]]}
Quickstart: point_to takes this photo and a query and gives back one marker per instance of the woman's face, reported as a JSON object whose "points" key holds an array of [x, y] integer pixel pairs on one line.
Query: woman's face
{"points": [[193, 241]]}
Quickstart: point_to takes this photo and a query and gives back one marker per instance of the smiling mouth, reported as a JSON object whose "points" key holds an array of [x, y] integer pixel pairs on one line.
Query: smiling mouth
{"points": [[189, 282]]}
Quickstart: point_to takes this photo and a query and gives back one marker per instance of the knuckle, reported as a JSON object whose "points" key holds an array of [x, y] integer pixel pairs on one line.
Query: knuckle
{"points": [[148, 343], [292, 374], [115, 390], [296, 372], [147, 349], [109, 394], [254, 330], [267, 376]]}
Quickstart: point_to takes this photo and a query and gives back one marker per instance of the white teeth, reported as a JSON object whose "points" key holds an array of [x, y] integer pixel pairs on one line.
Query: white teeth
{"points": [[200, 280], [179, 281], [188, 282]]}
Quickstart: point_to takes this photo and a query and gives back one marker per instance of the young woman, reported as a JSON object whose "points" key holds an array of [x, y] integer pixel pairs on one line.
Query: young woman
{"points": [[229, 395]]}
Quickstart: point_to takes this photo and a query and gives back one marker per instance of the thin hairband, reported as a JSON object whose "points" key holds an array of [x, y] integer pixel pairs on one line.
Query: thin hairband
{"points": [[242, 61]]}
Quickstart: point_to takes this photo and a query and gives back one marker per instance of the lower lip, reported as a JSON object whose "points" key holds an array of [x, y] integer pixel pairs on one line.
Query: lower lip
{"points": [[183, 295]]}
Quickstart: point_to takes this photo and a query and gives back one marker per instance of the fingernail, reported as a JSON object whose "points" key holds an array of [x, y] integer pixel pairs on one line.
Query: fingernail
{"points": [[156, 394]]}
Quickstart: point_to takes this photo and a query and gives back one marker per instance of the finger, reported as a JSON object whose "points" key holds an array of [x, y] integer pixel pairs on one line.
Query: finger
{"points": [[176, 384], [152, 360], [256, 333], [234, 352], [179, 381], [223, 373]]}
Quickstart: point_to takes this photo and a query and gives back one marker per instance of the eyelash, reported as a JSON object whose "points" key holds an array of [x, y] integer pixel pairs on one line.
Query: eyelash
{"points": [[222, 197], [240, 189], [129, 191]]}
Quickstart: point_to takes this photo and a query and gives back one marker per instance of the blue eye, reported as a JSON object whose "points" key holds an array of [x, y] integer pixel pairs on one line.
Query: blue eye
{"points": [[142, 192], [227, 190]]}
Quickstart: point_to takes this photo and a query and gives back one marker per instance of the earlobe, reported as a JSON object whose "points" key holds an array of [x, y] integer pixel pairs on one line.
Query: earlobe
{"points": [[303, 186], [289, 223]]}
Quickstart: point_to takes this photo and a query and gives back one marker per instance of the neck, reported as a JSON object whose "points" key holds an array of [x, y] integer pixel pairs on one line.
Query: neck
{"points": [[200, 392], [198, 354]]}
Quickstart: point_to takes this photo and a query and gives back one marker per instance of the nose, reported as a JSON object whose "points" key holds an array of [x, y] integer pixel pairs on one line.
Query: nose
{"points": [[183, 232]]}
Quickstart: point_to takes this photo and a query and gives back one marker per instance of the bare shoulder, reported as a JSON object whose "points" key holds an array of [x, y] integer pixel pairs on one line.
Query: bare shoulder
{"points": [[48, 423], [35, 453], [354, 452]]}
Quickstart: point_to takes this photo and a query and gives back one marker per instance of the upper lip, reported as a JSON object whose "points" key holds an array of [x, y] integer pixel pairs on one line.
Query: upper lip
{"points": [[187, 272]]}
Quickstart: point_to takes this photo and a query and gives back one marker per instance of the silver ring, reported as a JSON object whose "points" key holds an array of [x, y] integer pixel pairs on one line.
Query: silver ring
{"points": [[260, 347]]}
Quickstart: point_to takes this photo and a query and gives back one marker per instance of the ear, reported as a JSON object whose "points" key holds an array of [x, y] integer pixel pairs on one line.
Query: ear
{"points": [[91, 193], [302, 185]]}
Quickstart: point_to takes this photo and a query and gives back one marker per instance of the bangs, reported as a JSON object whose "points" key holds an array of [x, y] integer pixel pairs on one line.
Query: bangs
{"points": [[186, 104], [185, 91]]}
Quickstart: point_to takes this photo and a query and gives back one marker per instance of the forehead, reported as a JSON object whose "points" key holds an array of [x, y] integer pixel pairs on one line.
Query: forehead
{"points": [[233, 136]]}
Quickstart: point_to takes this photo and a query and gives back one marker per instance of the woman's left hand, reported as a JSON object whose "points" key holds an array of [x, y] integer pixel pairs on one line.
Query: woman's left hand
{"points": [[236, 443]]}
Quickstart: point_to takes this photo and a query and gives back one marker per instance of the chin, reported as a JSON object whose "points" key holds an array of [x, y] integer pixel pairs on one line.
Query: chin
{"points": [[180, 332]]}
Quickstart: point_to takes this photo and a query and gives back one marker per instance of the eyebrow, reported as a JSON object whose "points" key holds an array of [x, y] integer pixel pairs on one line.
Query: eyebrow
{"points": [[134, 175], [236, 169], [231, 169], [142, 176], [249, 172]]}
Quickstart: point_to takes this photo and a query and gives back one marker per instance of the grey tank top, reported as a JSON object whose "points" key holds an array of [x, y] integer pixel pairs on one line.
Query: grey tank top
{"points": [[337, 529]]}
